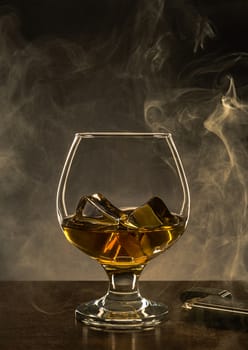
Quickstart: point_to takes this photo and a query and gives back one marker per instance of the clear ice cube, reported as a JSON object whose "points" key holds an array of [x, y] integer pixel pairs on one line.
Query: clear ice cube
{"points": [[152, 214], [97, 209]]}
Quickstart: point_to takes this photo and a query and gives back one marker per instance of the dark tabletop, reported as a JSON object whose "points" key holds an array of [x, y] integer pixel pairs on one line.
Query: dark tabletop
{"points": [[40, 315]]}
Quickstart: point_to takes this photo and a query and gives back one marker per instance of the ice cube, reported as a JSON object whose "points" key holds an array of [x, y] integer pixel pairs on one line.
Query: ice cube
{"points": [[152, 214], [98, 210], [131, 244]]}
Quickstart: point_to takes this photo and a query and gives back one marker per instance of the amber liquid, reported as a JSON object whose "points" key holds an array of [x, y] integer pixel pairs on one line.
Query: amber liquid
{"points": [[120, 246]]}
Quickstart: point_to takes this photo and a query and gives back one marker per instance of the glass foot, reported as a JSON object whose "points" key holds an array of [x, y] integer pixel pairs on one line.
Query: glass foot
{"points": [[145, 314]]}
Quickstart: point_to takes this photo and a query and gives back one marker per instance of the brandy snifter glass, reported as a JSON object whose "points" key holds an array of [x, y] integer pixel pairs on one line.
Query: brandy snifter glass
{"points": [[123, 199]]}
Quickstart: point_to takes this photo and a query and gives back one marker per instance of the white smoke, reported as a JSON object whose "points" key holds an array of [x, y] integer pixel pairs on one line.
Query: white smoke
{"points": [[52, 87], [214, 124]]}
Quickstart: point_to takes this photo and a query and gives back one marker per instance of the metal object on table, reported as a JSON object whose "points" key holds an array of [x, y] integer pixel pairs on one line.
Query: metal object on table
{"points": [[215, 308]]}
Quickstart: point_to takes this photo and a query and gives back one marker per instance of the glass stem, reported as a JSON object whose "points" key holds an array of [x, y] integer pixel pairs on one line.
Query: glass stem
{"points": [[123, 287]]}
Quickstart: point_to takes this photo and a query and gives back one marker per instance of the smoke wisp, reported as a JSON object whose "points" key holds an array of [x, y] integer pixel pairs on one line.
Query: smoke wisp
{"points": [[142, 66]]}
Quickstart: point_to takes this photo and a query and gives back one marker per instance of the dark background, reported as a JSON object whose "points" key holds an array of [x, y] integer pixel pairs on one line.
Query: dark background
{"points": [[72, 18], [69, 66], [94, 18]]}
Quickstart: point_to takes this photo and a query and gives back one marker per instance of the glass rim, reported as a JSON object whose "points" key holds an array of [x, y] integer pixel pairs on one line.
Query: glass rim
{"points": [[122, 133]]}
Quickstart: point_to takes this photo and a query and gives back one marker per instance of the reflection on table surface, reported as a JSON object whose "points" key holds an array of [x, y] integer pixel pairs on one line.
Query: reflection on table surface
{"points": [[122, 340]]}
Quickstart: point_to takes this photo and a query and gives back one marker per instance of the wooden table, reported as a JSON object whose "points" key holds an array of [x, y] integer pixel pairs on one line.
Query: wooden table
{"points": [[40, 315]]}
